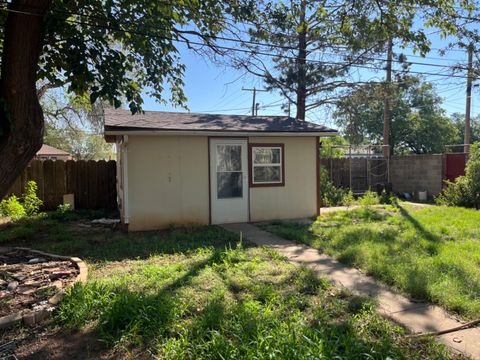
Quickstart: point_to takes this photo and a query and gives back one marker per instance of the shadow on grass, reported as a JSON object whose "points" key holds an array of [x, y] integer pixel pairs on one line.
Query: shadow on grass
{"points": [[219, 327], [134, 317], [79, 237], [373, 246], [418, 226]]}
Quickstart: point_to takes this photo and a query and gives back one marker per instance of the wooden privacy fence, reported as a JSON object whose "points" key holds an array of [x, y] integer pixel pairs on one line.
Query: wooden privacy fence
{"points": [[93, 183]]}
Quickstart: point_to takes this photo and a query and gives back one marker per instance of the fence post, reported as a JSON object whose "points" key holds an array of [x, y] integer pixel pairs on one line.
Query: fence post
{"points": [[350, 166]]}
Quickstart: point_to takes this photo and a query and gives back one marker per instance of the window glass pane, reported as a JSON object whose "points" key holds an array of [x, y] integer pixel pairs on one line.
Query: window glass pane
{"points": [[229, 185], [229, 158], [266, 174], [266, 155]]}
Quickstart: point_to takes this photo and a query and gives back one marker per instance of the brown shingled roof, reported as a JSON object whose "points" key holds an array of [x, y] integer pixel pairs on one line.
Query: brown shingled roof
{"points": [[123, 120], [50, 150]]}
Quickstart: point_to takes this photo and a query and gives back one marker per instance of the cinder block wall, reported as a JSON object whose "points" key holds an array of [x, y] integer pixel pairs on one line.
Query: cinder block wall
{"points": [[411, 173]]}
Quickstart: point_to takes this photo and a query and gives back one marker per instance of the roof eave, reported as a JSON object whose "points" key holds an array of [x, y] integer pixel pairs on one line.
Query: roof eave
{"points": [[226, 133]]}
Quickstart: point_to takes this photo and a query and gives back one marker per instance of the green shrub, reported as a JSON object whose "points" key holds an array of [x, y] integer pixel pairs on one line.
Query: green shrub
{"points": [[12, 208], [64, 212], [31, 202], [27, 205], [387, 198], [64, 208], [465, 191], [368, 199], [455, 194], [332, 195]]}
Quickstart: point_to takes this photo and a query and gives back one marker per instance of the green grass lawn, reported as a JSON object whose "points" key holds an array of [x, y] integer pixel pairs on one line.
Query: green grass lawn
{"points": [[431, 253], [198, 294]]}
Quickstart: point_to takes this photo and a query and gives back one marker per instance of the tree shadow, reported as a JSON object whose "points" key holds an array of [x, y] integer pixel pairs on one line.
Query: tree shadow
{"points": [[143, 322], [97, 243], [135, 317], [418, 226], [352, 247]]}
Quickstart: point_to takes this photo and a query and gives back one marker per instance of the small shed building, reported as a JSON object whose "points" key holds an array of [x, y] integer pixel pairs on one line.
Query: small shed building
{"points": [[186, 168]]}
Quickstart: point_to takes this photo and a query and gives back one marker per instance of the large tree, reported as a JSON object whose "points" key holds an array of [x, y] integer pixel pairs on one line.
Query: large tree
{"points": [[74, 125], [305, 49], [82, 144], [458, 120], [106, 49], [418, 123]]}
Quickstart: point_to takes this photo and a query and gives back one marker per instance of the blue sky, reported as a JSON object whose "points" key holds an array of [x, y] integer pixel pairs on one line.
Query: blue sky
{"points": [[215, 89]]}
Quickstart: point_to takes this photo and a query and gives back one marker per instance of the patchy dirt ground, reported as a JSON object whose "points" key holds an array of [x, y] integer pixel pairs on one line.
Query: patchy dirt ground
{"points": [[48, 342], [28, 280], [33, 279]]}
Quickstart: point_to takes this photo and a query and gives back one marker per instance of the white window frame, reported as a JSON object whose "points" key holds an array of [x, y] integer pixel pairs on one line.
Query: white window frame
{"points": [[279, 164], [230, 171]]}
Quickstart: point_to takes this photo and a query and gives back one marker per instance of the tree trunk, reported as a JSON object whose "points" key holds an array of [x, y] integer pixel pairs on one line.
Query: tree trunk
{"points": [[301, 65], [21, 117]]}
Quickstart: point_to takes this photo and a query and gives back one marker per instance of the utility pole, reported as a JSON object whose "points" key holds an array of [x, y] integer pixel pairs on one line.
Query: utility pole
{"points": [[387, 104], [468, 131], [254, 90], [257, 106]]}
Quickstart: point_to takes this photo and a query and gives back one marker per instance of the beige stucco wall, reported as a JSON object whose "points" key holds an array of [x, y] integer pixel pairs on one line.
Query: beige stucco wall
{"points": [[167, 181], [120, 189], [298, 198]]}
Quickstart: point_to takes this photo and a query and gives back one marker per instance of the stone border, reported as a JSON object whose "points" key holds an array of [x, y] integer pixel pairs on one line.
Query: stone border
{"points": [[33, 317]]}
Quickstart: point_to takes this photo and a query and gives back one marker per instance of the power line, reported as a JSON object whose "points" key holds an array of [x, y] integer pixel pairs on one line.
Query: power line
{"points": [[257, 43], [407, 62], [237, 109], [251, 52], [242, 41], [264, 53], [469, 20], [451, 89], [270, 105], [433, 58]]}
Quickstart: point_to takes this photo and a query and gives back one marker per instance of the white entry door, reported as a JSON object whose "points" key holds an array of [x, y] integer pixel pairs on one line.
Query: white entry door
{"points": [[228, 180]]}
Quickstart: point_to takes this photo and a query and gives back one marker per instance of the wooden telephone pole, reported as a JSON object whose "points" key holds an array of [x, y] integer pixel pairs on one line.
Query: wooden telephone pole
{"points": [[468, 105], [254, 104], [387, 103]]}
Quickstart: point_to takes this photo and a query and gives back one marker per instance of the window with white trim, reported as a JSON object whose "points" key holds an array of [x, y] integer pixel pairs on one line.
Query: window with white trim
{"points": [[267, 165]]}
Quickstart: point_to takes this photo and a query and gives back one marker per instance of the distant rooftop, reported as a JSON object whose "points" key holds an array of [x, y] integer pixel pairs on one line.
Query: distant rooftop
{"points": [[120, 120], [50, 150]]}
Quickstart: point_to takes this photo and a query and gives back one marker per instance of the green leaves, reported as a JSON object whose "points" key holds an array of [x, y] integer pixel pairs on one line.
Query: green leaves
{"points": [[418, 124], [112, 50], [317, 45], [79, 143]]}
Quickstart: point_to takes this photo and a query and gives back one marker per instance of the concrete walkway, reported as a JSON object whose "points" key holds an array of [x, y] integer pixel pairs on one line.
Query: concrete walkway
{"points": [[417, 317]]}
